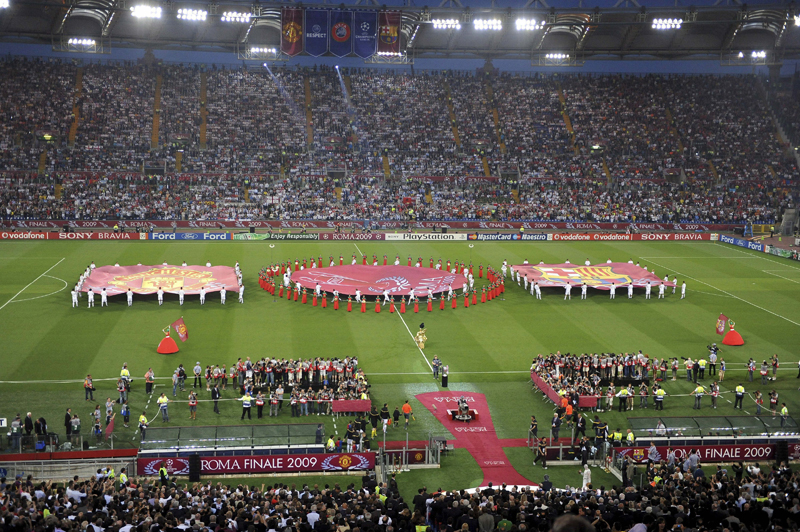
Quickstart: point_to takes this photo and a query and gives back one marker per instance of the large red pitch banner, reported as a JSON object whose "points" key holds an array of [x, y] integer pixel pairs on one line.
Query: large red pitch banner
{"points": [[374, 280], [147, 279], [600, 276]]}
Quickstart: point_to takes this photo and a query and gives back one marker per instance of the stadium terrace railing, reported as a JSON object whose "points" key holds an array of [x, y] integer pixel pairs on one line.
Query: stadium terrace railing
{"points": [[52, 442], [64, 469], [232, 437]]}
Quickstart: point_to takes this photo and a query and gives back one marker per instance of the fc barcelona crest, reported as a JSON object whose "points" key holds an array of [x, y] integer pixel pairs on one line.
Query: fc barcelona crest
{"points": [[591, 275], [638, 454], [389, 34]]}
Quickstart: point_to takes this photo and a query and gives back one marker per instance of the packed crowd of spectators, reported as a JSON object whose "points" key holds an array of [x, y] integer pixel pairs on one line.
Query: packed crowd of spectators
{"points": [[262, 161], [748, 499]]}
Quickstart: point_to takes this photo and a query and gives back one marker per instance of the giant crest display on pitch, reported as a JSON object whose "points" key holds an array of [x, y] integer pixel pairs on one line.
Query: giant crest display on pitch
{"points": [[147, 279], [600, 276]]}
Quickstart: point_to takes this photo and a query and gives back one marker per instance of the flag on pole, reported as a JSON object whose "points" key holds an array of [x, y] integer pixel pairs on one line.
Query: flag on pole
{"points": [[721, 324], [180, 328]]}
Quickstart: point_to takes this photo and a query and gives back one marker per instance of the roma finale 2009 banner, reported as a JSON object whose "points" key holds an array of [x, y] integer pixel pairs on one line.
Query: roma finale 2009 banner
{"points": [[600, 276], [147, 279]]}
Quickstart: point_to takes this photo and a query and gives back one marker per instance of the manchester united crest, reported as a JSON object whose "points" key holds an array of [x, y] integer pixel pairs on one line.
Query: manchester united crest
{"points": [[292, 32]]}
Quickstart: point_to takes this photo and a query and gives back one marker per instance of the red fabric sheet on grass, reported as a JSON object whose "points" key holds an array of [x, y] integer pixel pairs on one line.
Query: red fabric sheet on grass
{"points": [[584, 401], [147, 279], [373, 280], [352, 405], [599, 276]]}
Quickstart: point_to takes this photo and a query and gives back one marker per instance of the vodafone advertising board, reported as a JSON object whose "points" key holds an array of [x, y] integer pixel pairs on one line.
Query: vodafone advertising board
{"points": [[283, 463], [79, 235], [621, 237], [383, 224]]}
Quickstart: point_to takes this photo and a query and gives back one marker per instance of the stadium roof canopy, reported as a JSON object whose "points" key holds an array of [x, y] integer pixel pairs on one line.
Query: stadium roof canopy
{"points": [[568, 33]]}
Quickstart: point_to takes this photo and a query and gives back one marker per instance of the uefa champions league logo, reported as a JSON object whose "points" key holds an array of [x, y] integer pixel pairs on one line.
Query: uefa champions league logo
{"points": [[365, 27]]}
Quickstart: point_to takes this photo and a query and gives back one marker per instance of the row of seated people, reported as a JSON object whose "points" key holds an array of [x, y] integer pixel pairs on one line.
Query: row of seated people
{"points": [[258, 121], [370, 196], [677, 497]]}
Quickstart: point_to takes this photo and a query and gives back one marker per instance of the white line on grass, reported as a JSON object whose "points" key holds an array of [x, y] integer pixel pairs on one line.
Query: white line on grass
{"points": [[737, 258], [415, 342], [768, 258], [769, 272], [356, 245], [731, 295], [29, 284], [46, 295]]}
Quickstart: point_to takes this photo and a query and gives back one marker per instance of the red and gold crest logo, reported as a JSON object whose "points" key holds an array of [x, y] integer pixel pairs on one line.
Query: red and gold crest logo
{"points": [[591, 275], [168, 279], [292, 32]]}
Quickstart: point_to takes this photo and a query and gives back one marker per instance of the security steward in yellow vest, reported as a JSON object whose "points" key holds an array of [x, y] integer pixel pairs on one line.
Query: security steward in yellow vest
{"points": [[739, 397], [660, 393], [163, 475], [698, 396], [630, 438], [616, 438]]}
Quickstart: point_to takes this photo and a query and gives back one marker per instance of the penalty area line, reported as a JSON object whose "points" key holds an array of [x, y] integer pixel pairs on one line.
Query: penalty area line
{"points": [[415, 342], [29, 284]]}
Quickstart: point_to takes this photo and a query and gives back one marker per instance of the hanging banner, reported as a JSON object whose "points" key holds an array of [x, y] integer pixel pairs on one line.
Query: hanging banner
{"points": [[365, 33], [389, 33], [291, 31], [341, 43], [316, 32]]}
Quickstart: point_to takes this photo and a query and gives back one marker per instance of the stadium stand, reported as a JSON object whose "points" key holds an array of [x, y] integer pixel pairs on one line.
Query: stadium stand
{"points": [[296, 143]]}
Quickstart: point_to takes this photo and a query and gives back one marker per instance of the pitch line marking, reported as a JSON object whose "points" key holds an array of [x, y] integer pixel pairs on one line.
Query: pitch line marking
{"points": [[769, 272], [46, 295], [356, 245], [29, 284], [737, 258], [763, 256], [415, 342], [731, 295]]}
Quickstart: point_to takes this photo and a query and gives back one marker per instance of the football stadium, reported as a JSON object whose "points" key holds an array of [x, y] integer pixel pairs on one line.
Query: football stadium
{"points": [[396, 268]]}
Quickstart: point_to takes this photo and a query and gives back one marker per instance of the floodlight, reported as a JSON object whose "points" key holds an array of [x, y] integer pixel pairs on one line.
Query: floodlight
{"points": [[796, 18], [4, 4], [446, 23], [760, 54], [192, 14], [260, 50], [143, 11], [667, 23], [557, 56], [390, 54], [81, 42], [233, 16], [494, 24], [524, 24]]}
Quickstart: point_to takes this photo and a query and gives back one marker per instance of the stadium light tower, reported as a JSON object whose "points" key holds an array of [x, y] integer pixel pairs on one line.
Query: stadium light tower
{"points": [[144, 11], [667, 23], [196, 15], [234, 16], [446, 24], [4, 4], [493, 24], [525, 24]]}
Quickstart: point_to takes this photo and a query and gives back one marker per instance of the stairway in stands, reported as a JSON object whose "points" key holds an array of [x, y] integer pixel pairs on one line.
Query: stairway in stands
{"points": [[156, 113], [349, 87], [387, 169], [42, 162], [309, 117], [73, 128], [495, 115], [713, 170], [179, 161], [567, 121], [609, 180], [453, 123], [203, 111]]}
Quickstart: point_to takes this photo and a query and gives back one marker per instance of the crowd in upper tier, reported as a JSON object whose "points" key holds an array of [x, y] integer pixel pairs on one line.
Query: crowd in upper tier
{"points": [[317, 143]]}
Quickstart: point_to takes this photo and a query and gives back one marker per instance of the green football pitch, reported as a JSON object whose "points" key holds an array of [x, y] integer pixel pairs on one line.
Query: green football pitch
{"points": [[48, 347]]}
